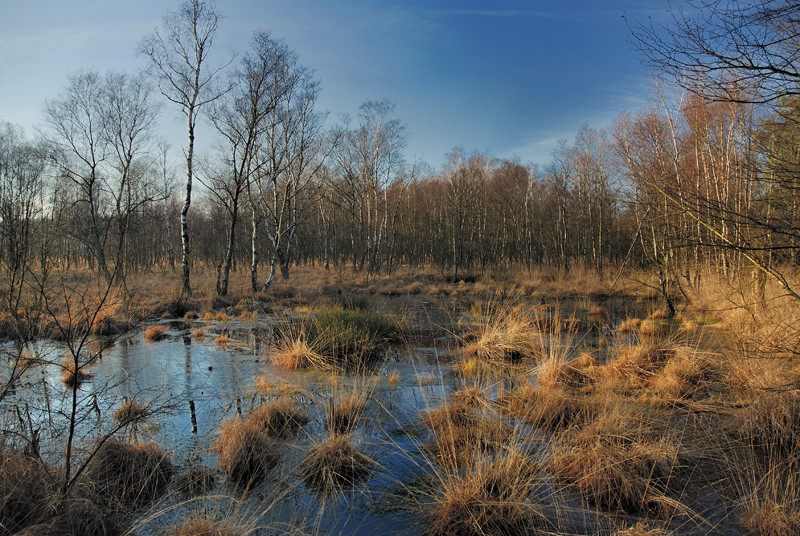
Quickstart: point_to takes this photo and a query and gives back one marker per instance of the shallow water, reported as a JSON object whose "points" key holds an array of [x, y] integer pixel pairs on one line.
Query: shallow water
{"points": [[197, 384]]}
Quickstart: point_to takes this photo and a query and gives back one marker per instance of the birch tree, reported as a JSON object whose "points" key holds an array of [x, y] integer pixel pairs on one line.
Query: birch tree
{"points": [[178, 55]]}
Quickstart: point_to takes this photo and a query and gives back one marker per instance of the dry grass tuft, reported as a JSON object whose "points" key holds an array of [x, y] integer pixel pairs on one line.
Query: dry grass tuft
{"points": [[504, 332], [130, 474], [343, 412], [585, 361], [223, 340], [650, 328], [295, 353], [471, 397], [246, 452], [557, 373], [642, 529], [196, 481], [684, 374], [279, 418], [461, 433], [552, 408], [202, 525], [334, 464], [24, 492], [130, 411], [596, 310], [771, 422], [771, 518], [618, 462], [629, 324], [638, 363], [156, 332], [199, 334], [492, 497], [71, 377], [394, 377]]}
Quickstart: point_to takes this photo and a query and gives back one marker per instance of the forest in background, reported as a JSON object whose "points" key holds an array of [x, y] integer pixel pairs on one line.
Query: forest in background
{"points": [[690, 182]]}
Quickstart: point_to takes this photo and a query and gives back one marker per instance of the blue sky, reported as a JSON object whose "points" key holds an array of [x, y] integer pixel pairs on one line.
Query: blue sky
{"points": [[506, 77]]}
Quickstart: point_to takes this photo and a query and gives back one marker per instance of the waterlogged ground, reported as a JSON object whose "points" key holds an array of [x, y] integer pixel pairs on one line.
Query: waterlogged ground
{"points": [[195, 384]]}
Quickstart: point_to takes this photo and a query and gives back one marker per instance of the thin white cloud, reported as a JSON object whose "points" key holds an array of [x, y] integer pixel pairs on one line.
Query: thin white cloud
{"points": [[496, 13]]}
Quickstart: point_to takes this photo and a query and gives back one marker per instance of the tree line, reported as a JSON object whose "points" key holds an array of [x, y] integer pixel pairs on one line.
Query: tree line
{"points": [[707, 175]]}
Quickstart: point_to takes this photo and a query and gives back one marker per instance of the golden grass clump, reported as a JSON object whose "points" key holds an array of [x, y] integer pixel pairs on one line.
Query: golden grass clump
{"points": [[491, 497], [343, 412], [130, 411], [246, 452], [771, 422], [558, 373], [71, 377], [770, 517], [638, 363], [334, 464], [549, 408], [504, 332], [279, 418], [585, 361], [684, 374], [203, 525], [223, 340], [24, 491], [394, 377], [749, 377], [629, 324], [596, 310], [650, 328], [641, 529], [196, 481], [199, 334], [471, 397], [618, 462], [295, 353], [247, 316], [130, 474], [460, 434], [156, 332]]}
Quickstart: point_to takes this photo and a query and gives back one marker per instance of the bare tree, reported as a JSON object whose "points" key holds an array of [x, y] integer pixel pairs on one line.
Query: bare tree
{"points": [[242, 119], [369, 160], [727, 49], [178, 54]]}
